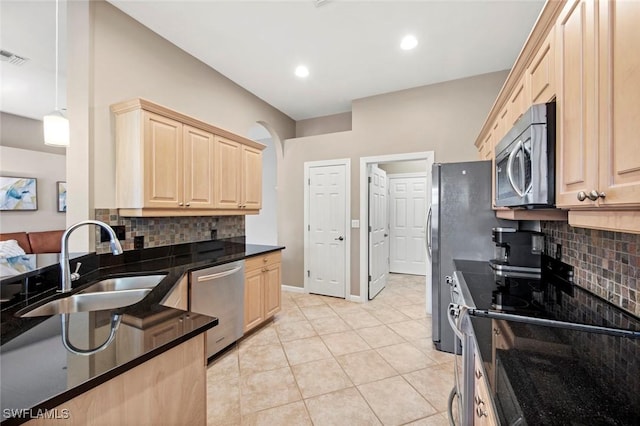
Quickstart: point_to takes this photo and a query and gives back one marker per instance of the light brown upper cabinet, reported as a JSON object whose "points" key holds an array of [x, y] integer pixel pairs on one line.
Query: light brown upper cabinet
{"points": [[170, 164], [541, 80], [238, 182], [518, 104], [598, 108], [198, 153]]}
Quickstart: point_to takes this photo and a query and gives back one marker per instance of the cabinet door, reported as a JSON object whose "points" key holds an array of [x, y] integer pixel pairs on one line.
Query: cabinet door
{"points": [[272, 290], [541, 72], [518, 103], [253, 299], [163, 167], [576, 145], [198, 167], [228, 161], [251, 178], [619, 71], [162, 333]]}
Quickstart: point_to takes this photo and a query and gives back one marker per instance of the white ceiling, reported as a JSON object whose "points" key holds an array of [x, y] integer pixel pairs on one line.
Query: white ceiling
{"points": [[351, 47]]}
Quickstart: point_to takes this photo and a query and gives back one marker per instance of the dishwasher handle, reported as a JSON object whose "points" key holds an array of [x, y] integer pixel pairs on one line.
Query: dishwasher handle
{"points": [[215, 276]]}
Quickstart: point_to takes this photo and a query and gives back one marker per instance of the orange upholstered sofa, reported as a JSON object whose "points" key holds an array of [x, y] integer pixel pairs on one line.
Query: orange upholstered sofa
{"points": [[36, 242]]}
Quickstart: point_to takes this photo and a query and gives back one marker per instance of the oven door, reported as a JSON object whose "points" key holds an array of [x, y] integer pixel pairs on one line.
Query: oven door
{"points": [[514, 173]]}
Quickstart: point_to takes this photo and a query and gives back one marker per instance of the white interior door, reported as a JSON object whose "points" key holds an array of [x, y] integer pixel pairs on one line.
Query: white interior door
{"points": [[326, 263], [378, 231], [407, 225]]}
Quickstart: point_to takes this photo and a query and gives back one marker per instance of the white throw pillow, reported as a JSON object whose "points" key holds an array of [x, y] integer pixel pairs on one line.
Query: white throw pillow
{"points": [[10, 248]]}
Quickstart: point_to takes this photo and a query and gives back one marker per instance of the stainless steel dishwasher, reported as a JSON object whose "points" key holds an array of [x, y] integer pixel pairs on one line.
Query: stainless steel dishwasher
{"points": [[219, 292]]}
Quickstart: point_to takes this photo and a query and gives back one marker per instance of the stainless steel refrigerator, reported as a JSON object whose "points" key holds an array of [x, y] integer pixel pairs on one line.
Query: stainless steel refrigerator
{"points": [[461, 220]]}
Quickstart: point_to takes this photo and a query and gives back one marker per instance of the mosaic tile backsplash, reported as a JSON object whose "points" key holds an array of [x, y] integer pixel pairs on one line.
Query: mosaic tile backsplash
{"points": [[605, 263], [164, 231]]}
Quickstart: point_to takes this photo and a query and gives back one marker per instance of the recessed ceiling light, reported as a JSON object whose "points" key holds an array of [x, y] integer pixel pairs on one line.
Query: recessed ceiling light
{"points": [[408, 42], [302, 71]]}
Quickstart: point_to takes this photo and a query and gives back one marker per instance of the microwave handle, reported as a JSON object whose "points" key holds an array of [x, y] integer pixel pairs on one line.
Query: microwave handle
{"points": [[512, 157], [528, 150]]}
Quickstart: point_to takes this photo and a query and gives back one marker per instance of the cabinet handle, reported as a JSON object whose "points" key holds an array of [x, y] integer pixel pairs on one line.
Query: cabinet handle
{"points": [[496, 331], [180, 204], [188, 204], [481, 413], [264, 259], [592, 195], [478, 374]]}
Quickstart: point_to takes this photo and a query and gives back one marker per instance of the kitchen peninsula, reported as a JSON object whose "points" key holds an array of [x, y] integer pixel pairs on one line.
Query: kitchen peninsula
{"points": [[161, 379]]}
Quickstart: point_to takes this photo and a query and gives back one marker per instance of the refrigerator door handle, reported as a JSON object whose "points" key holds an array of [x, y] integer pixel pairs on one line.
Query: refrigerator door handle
{"points": [[428, 239]]}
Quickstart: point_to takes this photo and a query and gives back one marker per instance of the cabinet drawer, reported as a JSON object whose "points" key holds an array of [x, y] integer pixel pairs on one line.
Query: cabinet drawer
{"points": [[262, 260]]}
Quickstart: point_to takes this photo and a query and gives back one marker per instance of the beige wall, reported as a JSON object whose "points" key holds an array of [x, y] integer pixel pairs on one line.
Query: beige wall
{"points": [[322, 125], [419, 166], [131, 61], [444, 118], [24, 133], [47, 169]]}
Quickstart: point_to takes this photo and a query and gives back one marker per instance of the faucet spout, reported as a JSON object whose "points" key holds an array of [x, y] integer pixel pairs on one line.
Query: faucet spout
{"points": [[65, 270]]}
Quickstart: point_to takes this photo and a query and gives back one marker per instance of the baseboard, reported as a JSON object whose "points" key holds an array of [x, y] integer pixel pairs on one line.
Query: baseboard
{"points": [[292, 289], [357, 299]]}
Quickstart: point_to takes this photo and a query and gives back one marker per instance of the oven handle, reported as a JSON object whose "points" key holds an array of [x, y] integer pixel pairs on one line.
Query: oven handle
{"points": [[483, 313], [454, 309], [452, 395]]}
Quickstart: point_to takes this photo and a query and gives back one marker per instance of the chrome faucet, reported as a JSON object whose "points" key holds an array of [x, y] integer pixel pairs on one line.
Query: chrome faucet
{"points": [[65, 273]]}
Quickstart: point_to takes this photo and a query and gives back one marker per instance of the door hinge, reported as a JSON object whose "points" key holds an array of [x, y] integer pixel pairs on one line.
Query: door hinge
{"points": [[369, 228], [369, 179], [309, 181], [308, 273], [308, 227], [369, 278]]}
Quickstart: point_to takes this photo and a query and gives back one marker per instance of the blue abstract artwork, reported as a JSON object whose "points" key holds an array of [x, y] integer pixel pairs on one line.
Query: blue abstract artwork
{"points": [[18, 193]]}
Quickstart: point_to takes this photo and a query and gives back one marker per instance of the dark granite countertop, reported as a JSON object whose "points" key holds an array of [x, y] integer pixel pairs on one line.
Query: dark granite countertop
{"points": [[556, 376], [39, 373]]}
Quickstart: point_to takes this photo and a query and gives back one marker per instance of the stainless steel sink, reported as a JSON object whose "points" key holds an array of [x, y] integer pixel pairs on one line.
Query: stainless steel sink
{"points": [[125, 283], [85, 302]]}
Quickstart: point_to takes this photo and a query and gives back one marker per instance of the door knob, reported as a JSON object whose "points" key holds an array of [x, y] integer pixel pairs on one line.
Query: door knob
{"points": [[386, 235], [340, 238]]}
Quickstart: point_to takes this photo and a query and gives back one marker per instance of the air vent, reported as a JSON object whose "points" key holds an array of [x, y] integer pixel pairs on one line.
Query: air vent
{"points": [[12, 58]]}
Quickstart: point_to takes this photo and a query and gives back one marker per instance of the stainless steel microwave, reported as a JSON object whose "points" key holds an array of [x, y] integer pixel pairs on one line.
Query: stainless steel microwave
{"points": [[525, 160]]}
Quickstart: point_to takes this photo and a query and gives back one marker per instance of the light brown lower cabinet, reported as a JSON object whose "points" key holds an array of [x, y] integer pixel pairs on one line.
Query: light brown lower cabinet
{"points": [[261, 288], [169, 389]]}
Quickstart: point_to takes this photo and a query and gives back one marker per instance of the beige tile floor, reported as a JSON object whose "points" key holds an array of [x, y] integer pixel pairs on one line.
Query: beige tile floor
{"points": [[326, 361]]}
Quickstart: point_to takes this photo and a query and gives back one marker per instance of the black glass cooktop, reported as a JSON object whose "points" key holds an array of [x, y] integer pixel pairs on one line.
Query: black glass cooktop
{"points": [[545, 375]]}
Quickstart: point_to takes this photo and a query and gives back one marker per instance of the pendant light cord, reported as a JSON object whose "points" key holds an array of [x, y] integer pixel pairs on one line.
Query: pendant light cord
{"points": [[57, 40]]}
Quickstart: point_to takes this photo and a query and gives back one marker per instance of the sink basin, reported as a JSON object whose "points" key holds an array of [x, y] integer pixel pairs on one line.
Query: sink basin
{"points": [[85, 302], [125, 283]]}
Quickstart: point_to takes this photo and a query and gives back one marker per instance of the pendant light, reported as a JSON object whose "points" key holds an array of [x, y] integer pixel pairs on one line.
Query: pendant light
{"points": [[56, 125]]}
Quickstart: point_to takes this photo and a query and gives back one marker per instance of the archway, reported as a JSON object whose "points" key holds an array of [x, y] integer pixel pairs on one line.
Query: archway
{"points": [[263, 228]]}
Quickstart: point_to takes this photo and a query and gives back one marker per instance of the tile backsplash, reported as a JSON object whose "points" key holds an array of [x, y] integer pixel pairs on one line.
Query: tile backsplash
{"points": [[164, 231], [605, 263]]}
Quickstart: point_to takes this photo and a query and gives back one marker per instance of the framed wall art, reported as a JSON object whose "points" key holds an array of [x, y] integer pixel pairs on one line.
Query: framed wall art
{"points": [[61, 190], [18, 193]]}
